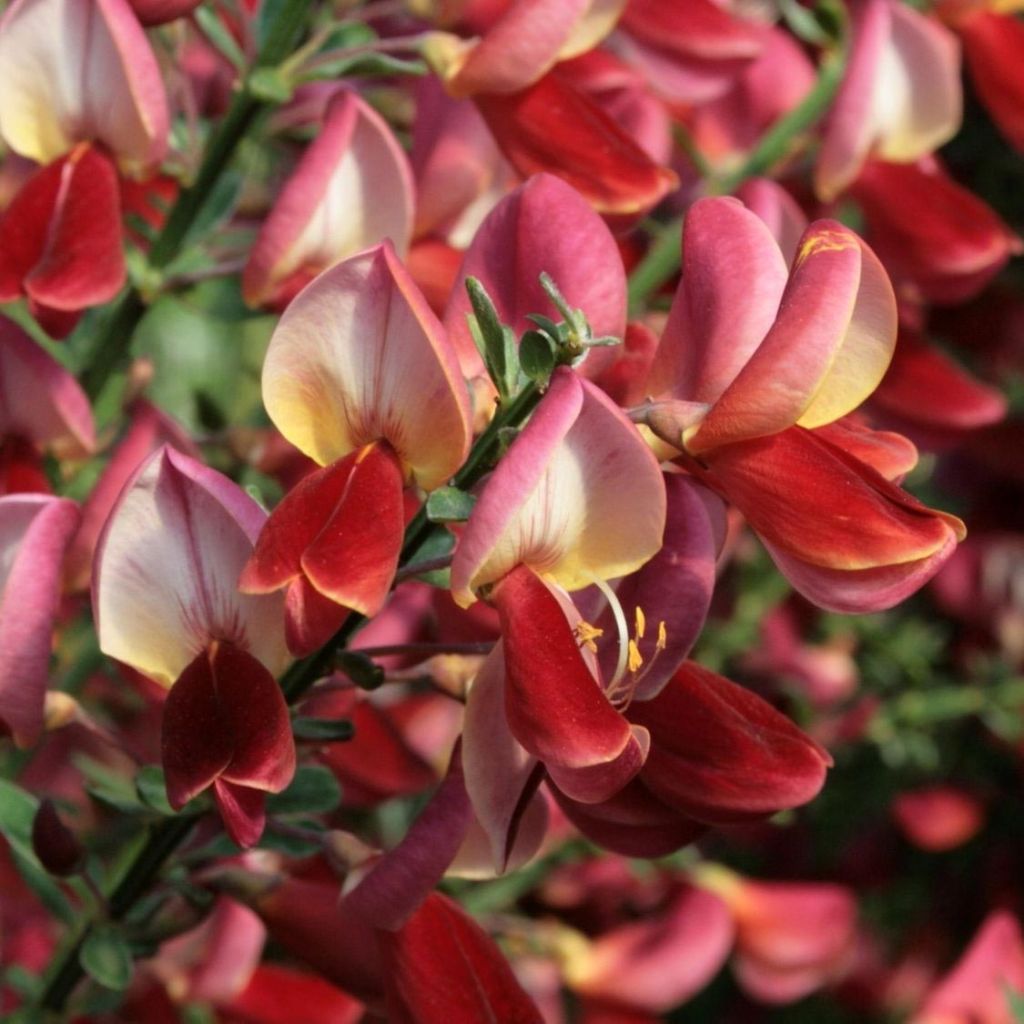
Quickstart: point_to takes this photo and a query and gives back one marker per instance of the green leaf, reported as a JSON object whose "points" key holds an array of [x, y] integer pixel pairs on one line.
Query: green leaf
{"points": [[1015, 1000], [218, 36], [313, 791], [449, 505], [324, 730], [497, 343], [152, 789], [17, 812], [110, 788], [366, 65], [361, 669], [107, 958], [537, 356]]}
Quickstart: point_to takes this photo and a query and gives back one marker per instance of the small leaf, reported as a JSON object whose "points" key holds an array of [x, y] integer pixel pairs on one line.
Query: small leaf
{"points": [[437, 544], [361, 669], [152, 789], [217, 208], [537, 356], [314, 790], [218, 36], [107, 958], [546, 324], [496, 343], [1015, 1000], [366, 65], [449, 505], [323, 730]]}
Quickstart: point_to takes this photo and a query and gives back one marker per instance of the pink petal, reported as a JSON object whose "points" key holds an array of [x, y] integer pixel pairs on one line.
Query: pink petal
{"points": [[578, 496], [359, 357], [778, 209], [403, 878], [901, 96], [555, 707], [167, 564], [72, 71], [501, 775], [544, 225], [733, 278], [829, 347], [661, 961], [35, 531], [39, 399], [351, 190]]}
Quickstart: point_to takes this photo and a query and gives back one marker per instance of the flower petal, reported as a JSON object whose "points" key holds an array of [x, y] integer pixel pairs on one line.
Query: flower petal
{"points": [[351, 190], [577, 496], [733, 278], [720, 753], [553, 126], [72, 71], [358, 357], [543, 226], [829, 347], [555, 707], [35, 531], [167, 565]]}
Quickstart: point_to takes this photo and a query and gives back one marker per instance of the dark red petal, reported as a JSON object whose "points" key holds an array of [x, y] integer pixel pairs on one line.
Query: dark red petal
{"points": [[354, 557], [634, 822], [293, 526], [720, 753], [241, 810], [442, 966], [552, 126], [556, 709], [253, 713], [195, 746]]}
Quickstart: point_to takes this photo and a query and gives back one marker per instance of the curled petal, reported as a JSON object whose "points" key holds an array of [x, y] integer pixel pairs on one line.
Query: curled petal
{"points": [[553, 126], [555, 707], [72, 71], [351, 190], [778, 209], [890, 454], [167, 564], [35, 531], [720, 753], [39, 400], [543, 226], [578, 496], [60, 237], [827, 350], [733, 278], [359, 357]]}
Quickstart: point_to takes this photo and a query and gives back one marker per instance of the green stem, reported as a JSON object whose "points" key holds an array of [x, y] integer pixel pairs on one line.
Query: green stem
{"points": [[303, 674], [113, 341], [164, 838]]}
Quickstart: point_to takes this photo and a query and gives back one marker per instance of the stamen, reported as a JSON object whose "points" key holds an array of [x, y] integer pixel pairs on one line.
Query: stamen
{"points": [[662, 637], [641, 623], [636, 659], [586, 634]]}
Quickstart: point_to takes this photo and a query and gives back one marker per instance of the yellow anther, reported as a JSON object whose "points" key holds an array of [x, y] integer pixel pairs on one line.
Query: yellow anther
{"points": [[641, 623], [662, 637], [586, 634], [636, 659]]}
